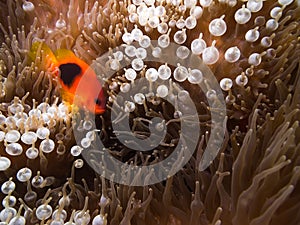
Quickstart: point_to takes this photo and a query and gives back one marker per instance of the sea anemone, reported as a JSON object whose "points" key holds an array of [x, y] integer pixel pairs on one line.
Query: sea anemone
{"points": [[155, 60]]}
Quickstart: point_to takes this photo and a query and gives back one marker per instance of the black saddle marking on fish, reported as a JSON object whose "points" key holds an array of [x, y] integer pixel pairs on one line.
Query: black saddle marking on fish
{"points": [[98, 101], [68, 73]]}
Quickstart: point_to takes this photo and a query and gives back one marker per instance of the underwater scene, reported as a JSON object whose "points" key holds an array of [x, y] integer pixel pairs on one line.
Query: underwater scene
{"points": [[149, 112]]}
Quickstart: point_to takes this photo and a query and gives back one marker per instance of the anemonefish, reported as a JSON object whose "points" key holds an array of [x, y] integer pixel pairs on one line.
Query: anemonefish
{"points": [[79, 83]]}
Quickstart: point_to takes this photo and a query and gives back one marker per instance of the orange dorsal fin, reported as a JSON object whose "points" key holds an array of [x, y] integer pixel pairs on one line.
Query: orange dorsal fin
{"points": [[67, 56]]}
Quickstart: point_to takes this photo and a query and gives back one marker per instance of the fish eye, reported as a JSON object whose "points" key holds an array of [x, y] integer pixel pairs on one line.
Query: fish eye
{"points": [[97, 101]]}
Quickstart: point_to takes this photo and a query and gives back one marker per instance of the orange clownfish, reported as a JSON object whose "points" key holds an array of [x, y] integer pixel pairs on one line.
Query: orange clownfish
{"points": [[79, 83]]}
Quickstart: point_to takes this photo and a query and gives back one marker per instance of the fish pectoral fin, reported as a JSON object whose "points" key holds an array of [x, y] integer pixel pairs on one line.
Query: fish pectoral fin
{"points": [[67, 96]]}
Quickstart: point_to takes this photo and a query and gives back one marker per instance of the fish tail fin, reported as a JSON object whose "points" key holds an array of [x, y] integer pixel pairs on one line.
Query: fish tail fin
{"points": [[44, 53]]}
